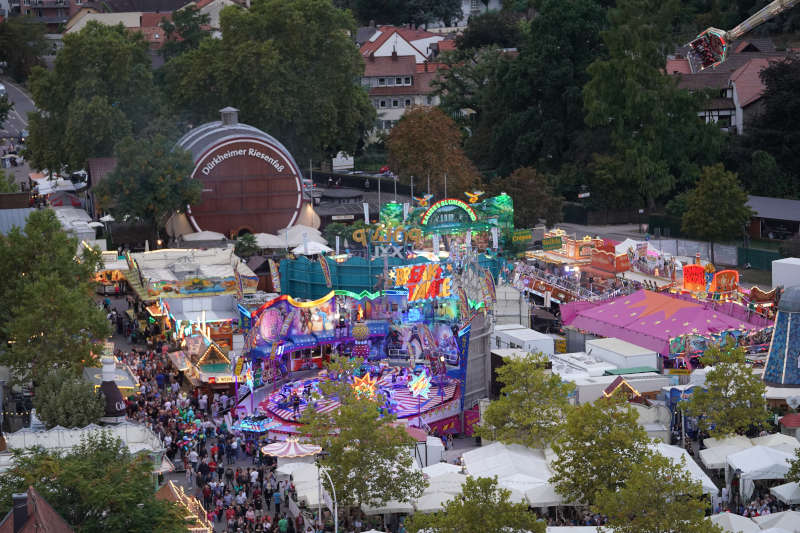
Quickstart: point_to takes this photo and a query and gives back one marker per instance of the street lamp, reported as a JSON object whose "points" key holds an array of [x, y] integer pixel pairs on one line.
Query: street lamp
{"points": [[441, 378], [322, 470]]}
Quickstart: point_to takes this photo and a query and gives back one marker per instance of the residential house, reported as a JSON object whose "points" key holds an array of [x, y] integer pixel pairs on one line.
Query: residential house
{"points": [[146, 23], [736, 83], [30, 513], [398, 71], [471, 8]]}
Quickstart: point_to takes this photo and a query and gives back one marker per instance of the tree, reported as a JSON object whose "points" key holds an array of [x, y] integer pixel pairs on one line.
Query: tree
{"points": [[64, 399], [531, 405], [5, 108], [152, 180], [657, 137], [732, 400], [50, 320], [185, 31], [246, 245], [426, 143], [773, 130], [369, 457], [600, 444], [8, 183], [533, 196], [659, 496], [337, 229], [22, 45], [500, 28], [482, 507], [794, 468], [97, 486], [289, 67], [716, 208], [100, 90], [401, 12]]}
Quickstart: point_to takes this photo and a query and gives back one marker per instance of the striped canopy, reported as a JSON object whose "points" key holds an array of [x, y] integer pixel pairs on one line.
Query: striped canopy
{"points": [[290, 448]]}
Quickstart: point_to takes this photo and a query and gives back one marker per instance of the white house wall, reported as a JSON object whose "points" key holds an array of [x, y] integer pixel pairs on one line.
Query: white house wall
{"points": [[395, 43]]}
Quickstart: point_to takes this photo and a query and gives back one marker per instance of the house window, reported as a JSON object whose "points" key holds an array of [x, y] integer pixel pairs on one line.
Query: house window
{"points": [[390, 81], [408, 102], [474, 5], [395, 103], [429, 99], [407, 80], [398, 81], [383, 103], [724, 121], [381, 81]]}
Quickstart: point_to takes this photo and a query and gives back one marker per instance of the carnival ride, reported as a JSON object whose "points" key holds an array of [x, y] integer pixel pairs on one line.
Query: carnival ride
{"points": [[710, 48]]}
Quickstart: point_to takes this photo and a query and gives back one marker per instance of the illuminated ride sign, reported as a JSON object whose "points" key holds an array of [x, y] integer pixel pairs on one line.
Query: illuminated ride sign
{"points": [[388, 241], [694, 278], [448, 202], [422, 281]]}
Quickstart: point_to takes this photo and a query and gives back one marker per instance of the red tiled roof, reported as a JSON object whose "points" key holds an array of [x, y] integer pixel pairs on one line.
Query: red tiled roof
{"points": [[149, 20], [447, 45], [748, 80], [429, 67], [678, 66], [390, 66], [42, 518], [406, 34], [792, 420]]}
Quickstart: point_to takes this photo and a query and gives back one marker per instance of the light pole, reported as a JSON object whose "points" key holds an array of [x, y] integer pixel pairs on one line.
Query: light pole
{"points": [[321, 470]]}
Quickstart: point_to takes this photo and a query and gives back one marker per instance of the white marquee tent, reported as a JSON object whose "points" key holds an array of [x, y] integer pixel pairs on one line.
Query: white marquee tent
{"points": [[734, 523], [788, 493], [758, 462], [788, 520], [676, 453]]}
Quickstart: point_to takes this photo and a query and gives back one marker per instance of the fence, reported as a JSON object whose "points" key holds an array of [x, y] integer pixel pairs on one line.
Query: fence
{"points": [[723, 254], [758, 259]]}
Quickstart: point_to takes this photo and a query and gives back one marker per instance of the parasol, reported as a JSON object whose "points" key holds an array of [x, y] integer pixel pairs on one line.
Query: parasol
{"points": [[290, 448]]}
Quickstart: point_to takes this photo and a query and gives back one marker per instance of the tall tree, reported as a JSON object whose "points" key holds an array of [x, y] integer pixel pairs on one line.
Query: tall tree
{"points": [[8, 182], [246, 245], [659, 496], [98, 486], [22, 45], [732, 400], [5, 108], [50, 321], [100, 90], [716, 208], [794, 468], [534, 198], [482, 507], [369, 457], [63, 399], [290, 68], [150, 182], [600, 444], [184, 31], [531, 406], [398, 12], [426, 143], [658, 139], [499, 28]]}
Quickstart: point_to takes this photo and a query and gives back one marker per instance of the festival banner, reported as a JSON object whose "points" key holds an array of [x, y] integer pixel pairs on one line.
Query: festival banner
{"points": [[239, 285], [337, 244], [326, 271], [469, 239], [405, 211], [366, 213], [463, 304], [494, 238], [490, 288], [287, 322], [276, 276], [129, 260], [435, 240]]}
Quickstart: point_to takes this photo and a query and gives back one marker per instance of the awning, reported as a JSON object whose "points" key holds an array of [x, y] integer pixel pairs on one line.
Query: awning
{"points": [[180, 360], [325, 336], [303, 341]]}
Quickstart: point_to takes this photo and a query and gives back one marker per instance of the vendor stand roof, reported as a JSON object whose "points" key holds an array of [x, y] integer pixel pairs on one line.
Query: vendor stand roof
{"points": [[290, 448], [190, 507], [651, 319]]}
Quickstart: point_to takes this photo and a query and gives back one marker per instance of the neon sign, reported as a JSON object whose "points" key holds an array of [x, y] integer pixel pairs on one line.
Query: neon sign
{"points": [[422, 281], [445, 203], [392, 235], [420, 385]]}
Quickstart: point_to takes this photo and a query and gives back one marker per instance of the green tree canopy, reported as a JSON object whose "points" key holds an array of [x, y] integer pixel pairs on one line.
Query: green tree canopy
{"points": [[8, 182], [532, 404], [100, 90], [499, 28], [716, 208], [482, 507], [5, 108], [62, 399], [794, 468], [185, 31], [398, 12], [600, 444], [534, 198], [152, 180], [732, 400], [50, 320], [369, 457], [97, 487], [291, 70], [659, 496], [658, 139], [246, 245], [22, 45]]}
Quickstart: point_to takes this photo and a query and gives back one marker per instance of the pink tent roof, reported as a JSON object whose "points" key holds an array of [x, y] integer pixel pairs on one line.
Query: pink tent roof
{"points": [[290, 448], [651, 319]]}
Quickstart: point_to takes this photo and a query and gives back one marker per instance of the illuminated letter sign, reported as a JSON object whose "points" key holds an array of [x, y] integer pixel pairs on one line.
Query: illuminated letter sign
{"points": [[694, 278], [448, 202], [422, 281], [725, 281]]}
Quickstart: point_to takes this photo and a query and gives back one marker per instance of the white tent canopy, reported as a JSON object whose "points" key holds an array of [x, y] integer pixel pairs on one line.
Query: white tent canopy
{"points": [[716, 458], [389, 507], [298, 229], [759, 462], [788, 493], [779, 441], [675, 453], [788, 520], [204, 236], [543, 495], [267, 240], [312, 248], [734, 523]]}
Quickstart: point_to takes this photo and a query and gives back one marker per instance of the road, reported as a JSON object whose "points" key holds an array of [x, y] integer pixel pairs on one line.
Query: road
{"points": [[18, 117]]}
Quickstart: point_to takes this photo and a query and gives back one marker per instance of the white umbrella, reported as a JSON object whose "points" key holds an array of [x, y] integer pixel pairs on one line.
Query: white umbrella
{"points": [[107, 218], [788, 493], [313, 248], [734, 523], [298, 229], [267, 240], [204, 236], [778, 530], [95, 224]]}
